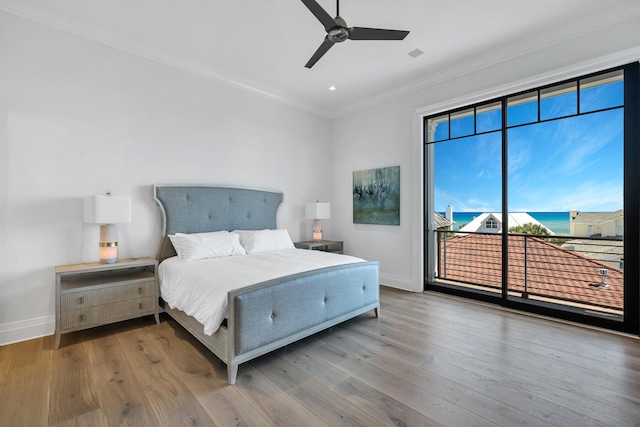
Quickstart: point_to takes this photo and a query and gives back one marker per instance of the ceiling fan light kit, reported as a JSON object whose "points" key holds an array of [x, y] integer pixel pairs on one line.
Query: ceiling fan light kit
{"points": [[338, 31]]}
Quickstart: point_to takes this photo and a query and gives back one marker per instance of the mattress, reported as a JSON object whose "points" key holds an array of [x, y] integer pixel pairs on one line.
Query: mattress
{"points": [[199, 288]]}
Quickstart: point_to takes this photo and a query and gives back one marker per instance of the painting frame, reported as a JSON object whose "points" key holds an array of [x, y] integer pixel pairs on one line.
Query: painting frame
{"points": [[376, 196]]}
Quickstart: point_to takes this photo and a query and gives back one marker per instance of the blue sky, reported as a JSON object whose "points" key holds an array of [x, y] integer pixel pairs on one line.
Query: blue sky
{"points": [[554, 166]]}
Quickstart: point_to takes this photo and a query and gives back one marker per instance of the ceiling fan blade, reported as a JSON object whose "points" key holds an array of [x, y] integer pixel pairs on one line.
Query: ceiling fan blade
{"points": [[322, 15], [360, 33], [324, 47]]}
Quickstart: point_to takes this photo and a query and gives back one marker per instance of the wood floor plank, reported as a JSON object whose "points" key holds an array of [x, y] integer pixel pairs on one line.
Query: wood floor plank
{"points": [[24, 400], [32, 352], [484, 346], [391, 358], [95, 418], [517, 347], [313, 395], [529, 395], [5, 362], [587, 341], [192, 360], [171, 401], [73, 392], [298, 355], [619, 394], [497, 412], [381, 406], [274, 404], [421, 400], [628, 370], [122, 399], [205, 376]]}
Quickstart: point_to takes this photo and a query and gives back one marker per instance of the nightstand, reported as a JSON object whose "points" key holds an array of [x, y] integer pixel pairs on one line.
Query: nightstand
{"points": [[94, 294], [334, 246]]}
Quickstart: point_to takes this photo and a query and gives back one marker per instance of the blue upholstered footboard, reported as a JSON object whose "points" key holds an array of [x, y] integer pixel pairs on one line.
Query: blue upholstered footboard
{"points": [[282, 308]]}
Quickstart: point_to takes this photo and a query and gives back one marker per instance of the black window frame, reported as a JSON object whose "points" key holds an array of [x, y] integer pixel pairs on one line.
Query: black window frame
{"points": [[631, 183]]}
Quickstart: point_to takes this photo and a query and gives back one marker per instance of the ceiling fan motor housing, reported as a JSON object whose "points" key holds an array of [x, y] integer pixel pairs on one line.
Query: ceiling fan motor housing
{"points": [[338, 34]]}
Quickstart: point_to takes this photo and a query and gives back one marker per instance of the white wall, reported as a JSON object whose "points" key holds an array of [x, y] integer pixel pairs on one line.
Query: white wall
{"points": [[381, 136], [78, 118], [390, 134]]}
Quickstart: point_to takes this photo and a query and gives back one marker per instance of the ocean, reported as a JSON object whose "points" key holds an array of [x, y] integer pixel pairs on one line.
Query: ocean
{"points": [[558, 222]]}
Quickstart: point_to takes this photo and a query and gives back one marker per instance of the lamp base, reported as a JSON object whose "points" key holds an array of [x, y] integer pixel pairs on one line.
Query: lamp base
{"points": [[317, 230], [108, 244]]}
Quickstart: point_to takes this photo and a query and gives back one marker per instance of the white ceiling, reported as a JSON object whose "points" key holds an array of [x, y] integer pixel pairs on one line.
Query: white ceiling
{"points": [[263, 45]]}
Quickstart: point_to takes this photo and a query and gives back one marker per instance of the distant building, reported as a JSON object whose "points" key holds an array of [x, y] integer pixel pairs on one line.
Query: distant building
{"points": [[492, 222], [444, 223], [596, 224], [609, 251]]}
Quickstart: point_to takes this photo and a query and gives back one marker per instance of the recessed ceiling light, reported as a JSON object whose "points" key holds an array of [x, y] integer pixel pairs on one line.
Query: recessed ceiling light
{"points": [[415, 53], [332, 88]]}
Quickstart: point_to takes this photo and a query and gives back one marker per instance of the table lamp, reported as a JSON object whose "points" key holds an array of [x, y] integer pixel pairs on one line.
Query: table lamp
{"points": [[107, 211], [317, 211]]}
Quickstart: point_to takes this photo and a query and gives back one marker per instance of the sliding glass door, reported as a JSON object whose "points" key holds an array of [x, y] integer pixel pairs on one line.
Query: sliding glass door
{"points": [[531, 200]]}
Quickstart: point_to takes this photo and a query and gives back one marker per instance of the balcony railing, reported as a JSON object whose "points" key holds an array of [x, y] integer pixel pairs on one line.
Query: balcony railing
{"points": [[581, 272]]}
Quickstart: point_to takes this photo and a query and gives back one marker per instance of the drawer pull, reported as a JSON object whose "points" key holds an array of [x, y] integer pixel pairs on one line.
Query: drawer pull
{"points": [[81, 317], [81, 300], [140, 305], [139, 290]]}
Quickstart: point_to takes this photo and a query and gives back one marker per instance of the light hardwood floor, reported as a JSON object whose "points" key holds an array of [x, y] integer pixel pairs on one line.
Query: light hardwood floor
{"points": [[428, 360]]}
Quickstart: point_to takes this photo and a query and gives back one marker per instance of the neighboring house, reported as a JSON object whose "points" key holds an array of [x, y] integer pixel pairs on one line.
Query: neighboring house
{"points": [[492, 222], [442, 223], [550, 273], [603, 224], [609, 251]]}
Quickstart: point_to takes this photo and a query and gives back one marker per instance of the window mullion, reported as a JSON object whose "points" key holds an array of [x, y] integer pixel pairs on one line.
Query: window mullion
{"points": [[505, 205]]}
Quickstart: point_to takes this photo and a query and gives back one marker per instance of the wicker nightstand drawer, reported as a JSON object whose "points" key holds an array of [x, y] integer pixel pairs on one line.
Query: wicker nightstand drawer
{"points": [[92, 297], [74, 318], [106, 313]]}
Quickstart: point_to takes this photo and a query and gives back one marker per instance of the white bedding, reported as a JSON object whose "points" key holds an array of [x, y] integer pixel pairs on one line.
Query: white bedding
{"points": [[199, 288]]}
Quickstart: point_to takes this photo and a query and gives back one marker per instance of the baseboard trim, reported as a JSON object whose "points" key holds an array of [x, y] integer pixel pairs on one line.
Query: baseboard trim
{"points": [[398, 282], [25, 330]]}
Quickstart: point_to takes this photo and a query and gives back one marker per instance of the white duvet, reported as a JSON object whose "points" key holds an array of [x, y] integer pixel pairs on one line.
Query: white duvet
{"points": [[199, 288]]}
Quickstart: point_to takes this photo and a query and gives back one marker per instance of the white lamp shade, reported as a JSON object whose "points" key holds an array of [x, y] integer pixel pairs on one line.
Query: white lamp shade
{"points": [[317, 210], [107, 209]]}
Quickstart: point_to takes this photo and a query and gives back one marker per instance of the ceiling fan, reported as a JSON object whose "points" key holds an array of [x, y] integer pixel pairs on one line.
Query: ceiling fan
{"points": [[337, 30]]}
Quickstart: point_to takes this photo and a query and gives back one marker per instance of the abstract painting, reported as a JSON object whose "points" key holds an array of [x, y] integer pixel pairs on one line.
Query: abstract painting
{"points": [[376, 196]]}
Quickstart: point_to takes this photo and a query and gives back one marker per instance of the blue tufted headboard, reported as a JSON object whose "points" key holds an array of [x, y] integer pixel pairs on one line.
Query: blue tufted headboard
{"points": [[199, 209]]}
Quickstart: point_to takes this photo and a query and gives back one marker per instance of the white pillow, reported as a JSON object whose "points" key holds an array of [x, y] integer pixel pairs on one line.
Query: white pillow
{"points": [[256, 241], [208, 245], [245, 235]]}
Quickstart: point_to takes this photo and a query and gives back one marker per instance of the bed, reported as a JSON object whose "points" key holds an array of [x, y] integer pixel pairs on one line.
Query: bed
{"points": [[269, 314]]}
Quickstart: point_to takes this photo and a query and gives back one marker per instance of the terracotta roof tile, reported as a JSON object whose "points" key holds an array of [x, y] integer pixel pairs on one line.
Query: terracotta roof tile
{"points": [[551, 271]]}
